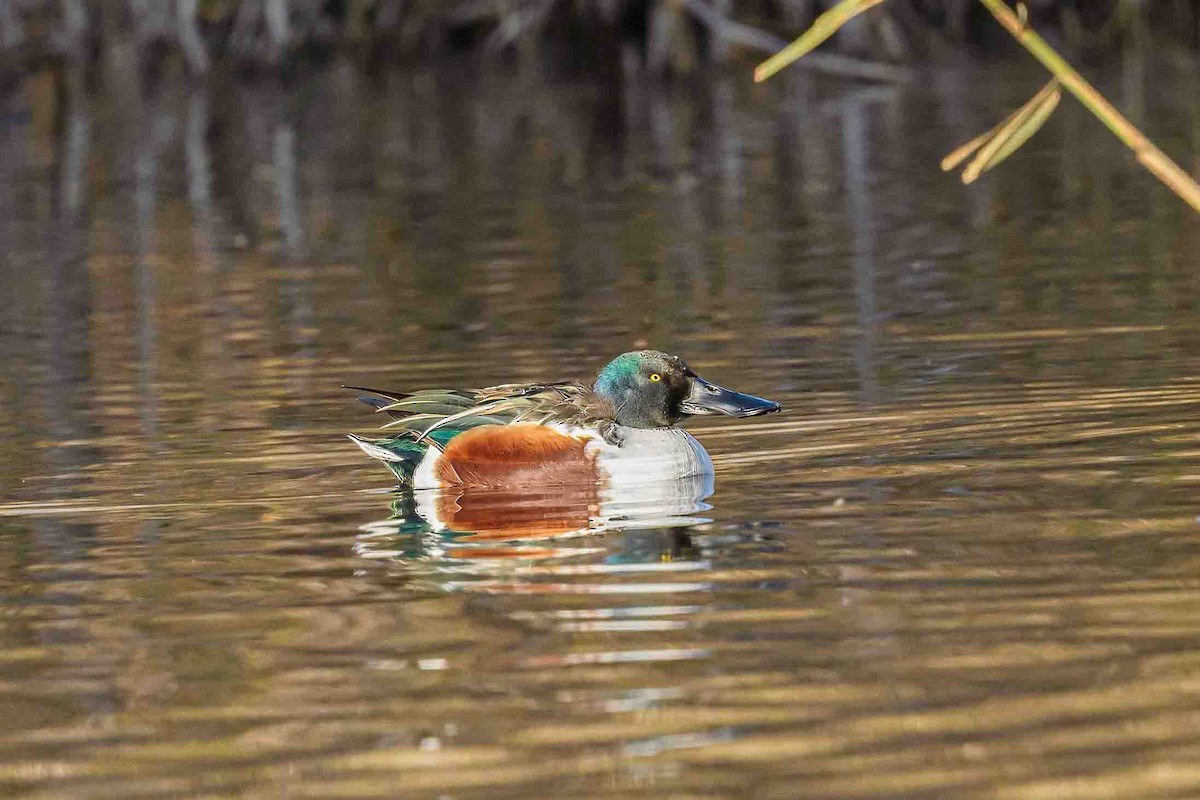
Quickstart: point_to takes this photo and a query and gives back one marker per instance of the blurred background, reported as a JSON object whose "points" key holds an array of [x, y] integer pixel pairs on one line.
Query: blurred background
{"points": [[604, 37], [958, 566]]}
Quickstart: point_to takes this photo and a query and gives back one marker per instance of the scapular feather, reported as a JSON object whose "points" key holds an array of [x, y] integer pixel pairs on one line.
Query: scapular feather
{"points": [[432, 417], [418, 405]]}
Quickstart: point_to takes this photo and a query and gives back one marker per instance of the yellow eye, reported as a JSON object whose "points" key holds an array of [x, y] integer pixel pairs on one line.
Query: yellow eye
{"points": [[654, 376]]}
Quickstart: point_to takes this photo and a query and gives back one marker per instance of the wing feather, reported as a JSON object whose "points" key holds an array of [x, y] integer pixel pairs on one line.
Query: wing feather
{"points": [[417, 415]]}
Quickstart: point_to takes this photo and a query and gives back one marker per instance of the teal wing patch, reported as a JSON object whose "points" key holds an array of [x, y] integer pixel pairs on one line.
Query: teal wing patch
{"points": [[401, 456]]}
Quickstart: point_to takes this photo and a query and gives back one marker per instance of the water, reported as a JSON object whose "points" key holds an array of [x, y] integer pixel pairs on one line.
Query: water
{"points": [[963, 564]]}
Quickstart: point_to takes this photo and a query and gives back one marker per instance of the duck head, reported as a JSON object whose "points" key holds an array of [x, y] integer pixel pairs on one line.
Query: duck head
{"points": [[650, 389]]}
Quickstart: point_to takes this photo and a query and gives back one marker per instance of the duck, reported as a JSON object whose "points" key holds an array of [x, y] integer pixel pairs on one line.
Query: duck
{"points": [[619, 431]]}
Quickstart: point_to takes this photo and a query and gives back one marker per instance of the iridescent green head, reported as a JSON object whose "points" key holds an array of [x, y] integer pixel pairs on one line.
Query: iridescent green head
{"points": [[650, 389]]}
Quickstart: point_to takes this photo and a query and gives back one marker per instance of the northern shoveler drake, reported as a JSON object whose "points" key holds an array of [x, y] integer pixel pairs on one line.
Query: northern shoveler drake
{"points": [[620, 431]]}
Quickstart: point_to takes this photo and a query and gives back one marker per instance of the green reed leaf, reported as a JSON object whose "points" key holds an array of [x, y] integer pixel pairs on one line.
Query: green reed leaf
{"points": [[955, 157], [1015, 131], [959, 154], [822, 28], [1028, 128]]}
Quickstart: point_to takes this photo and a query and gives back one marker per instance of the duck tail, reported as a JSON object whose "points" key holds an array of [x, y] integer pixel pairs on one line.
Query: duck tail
{"points": [[400, 456], [381, 398]]}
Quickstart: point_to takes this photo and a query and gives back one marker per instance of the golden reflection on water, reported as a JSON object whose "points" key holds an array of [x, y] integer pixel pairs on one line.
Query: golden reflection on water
{"points": [[962, 565]]}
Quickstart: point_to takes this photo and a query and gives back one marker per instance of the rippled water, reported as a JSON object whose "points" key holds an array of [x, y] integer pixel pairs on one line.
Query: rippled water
{"points": [[965, 563]]}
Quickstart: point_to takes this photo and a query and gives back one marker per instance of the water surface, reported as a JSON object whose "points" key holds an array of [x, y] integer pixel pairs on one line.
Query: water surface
{"points": [[963, 564]]}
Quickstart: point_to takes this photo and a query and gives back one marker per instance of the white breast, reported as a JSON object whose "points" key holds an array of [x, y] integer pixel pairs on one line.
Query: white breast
{"points": [[650, 455]]}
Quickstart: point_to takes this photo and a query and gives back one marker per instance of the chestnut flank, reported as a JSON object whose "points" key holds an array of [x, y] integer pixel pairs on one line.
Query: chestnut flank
{"points": [[513, 456]]}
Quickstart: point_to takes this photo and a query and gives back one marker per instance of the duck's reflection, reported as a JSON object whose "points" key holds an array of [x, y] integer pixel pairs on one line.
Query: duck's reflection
{"points": [[481, 531], [580, 579]]}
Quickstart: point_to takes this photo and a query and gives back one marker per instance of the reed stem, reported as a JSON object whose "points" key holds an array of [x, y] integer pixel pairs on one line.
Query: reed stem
{"points": [[1153, 159]]}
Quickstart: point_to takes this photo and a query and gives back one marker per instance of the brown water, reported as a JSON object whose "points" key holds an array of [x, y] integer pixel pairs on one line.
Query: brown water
{"points": [[965, 563]]}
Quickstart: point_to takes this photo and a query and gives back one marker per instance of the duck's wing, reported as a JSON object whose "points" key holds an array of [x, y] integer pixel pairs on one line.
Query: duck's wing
{"points": [[571, 404], [413, 414], [437, 415]]}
